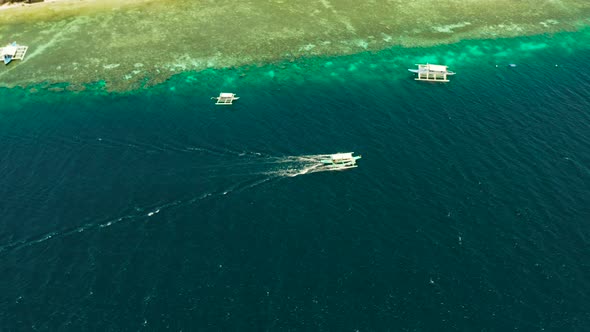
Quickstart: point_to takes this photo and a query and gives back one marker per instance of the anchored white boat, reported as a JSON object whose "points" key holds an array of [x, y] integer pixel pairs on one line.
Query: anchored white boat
{"points": [[435, 73], [225, 98], [341, 160]]}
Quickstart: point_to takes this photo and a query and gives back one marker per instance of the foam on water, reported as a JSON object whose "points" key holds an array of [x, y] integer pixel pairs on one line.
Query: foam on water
{"points": [[271, 168]]}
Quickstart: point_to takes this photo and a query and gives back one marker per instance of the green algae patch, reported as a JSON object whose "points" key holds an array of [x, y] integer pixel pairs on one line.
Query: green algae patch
{"points": [[139, 43]]}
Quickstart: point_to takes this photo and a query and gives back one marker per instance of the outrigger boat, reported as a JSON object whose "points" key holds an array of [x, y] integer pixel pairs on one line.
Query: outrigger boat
{"points": [[341, 160], [13, 51], [428, 72], [225, 98]]}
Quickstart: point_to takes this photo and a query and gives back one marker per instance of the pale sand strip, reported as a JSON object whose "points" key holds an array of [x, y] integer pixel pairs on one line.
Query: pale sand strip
{"points": [[68, 5], [23, 4]]}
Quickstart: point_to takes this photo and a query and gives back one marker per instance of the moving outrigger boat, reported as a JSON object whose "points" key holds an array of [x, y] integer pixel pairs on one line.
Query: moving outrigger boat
{"points": [[341, 160]]}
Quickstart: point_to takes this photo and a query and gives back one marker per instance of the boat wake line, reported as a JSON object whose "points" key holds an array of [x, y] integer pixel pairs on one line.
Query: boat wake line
{"points": [[254, 170]]}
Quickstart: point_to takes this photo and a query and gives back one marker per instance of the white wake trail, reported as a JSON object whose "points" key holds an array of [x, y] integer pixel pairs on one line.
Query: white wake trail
{"points": [[256, 170]]}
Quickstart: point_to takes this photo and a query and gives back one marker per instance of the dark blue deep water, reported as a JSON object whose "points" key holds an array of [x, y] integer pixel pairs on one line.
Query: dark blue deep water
{"points": [[156, 210]]}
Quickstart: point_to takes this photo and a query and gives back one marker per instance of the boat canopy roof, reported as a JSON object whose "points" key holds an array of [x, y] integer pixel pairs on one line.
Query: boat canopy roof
{"points": [[226, 95], [339, 156], [9, 50], [436, 68]]}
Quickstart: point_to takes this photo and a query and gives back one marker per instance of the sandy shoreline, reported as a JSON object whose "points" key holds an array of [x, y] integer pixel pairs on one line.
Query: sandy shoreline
{"points": [[36, 4], [49, 7]]}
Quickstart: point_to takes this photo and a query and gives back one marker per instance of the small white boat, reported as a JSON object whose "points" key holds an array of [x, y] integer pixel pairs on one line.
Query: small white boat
{"points": [[341, 160], [433, 69], [13, 51], [428, 72], [417, 71], [225, 98]]}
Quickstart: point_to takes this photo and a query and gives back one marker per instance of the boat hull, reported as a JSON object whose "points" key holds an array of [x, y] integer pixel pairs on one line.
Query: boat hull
{"points": [[344, 163], [417, 71]]}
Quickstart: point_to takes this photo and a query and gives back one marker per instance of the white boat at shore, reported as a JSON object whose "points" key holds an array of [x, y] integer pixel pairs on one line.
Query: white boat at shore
{"points": [[13, 51]]}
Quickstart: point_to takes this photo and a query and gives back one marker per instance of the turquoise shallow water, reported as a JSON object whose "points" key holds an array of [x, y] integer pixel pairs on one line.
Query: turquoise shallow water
{"points": [[155, 210]]}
